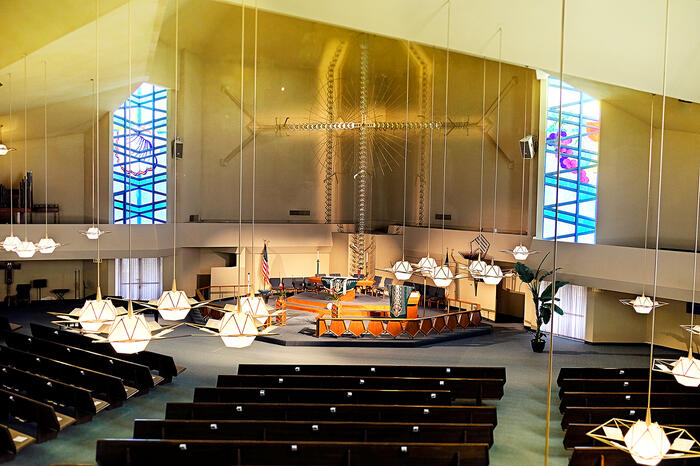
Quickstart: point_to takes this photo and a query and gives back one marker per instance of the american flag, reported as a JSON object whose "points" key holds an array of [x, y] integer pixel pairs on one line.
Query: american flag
{"points": [[265, 266]]}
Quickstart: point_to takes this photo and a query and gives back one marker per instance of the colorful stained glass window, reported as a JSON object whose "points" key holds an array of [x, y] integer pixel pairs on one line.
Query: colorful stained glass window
{"points": [[140, 157], [577, 162]]}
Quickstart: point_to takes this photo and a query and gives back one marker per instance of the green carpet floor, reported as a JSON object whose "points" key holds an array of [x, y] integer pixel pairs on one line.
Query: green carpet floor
{"points": [[519, 437]]}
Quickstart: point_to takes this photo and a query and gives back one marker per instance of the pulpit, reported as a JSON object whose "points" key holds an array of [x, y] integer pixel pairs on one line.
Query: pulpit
{"points": [[403, 302]]}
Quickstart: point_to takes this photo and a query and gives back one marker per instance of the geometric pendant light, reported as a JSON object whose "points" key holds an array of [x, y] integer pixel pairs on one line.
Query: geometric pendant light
{"points": [[648, 442], [11, 242]]}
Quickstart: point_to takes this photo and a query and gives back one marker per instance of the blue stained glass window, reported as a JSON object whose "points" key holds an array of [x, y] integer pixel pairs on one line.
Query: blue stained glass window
{"points": [[140, 157], [577, 162]]}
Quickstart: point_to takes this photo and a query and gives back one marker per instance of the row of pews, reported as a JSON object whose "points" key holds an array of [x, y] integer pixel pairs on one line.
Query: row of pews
{"points": [[591, 396], [54, 378], [324, 415]]}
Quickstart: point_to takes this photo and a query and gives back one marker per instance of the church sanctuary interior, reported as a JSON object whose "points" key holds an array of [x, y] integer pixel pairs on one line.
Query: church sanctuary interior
{"points": [[350, 233]]}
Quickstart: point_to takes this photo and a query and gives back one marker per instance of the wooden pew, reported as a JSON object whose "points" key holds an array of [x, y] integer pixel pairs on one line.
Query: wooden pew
{"points": [[575, 435], [582, 399], [51, 391], [232, 452], [7, 326], [12, 442], [103, 386], [608, 373], [623, 385], [162, 363], [599, 415], [477, 389], [312, 431], [136, 375], [15, 407], [591, 456], [376, 370], [327, 412], [320, 395]]}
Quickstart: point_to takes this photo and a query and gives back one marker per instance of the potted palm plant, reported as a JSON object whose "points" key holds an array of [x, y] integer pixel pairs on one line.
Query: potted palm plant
{"points": [[544, 301]]}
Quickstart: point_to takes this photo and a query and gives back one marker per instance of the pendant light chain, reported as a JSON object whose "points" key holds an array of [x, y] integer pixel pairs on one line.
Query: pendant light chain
{"points": [[498, 128], [444, 149], [555, 255], [128, 119], [405, 152], [522, 184], [46, 163], [658, 214], [430, 162], [255, 109], [96, 148], [26, 228], [483, 138], [240, 154], [176, 99], [12, 226], [646, 212]]}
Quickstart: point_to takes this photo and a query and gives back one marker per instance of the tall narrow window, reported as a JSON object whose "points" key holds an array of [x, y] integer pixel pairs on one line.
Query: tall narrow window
{"points": [[144, 274], [140, 157], [577, 161]]}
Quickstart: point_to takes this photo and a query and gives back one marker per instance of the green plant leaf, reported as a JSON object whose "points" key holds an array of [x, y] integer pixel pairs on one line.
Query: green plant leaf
{"points": [[547, 293], [546, 314], [557, 309], [524, 272]]}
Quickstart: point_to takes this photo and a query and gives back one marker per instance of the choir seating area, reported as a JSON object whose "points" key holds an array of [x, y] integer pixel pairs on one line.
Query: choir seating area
{"points": [[324, 414], [592, 396], [53, 379]]}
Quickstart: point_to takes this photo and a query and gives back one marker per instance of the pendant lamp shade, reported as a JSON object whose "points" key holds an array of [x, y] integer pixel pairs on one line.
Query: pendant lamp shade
{"points": [[11, 243], [477, 268], [642, 304], [647, 442], [442, 276], [492, 275], [3, 149], [686, 370], [402, 270], [174, 304], [129, 334], [96, 313], [26, 249], [46, 245], [255, 307], [237, 329], [427, 264], [520, 252], [93, 233]]}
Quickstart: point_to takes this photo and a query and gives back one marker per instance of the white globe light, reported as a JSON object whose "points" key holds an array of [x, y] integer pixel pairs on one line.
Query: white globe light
{"points": [[442, 276], [402, 270], [129, 334], [3, 149], [427, 264], [26, 249], [46, 245], [255, 307], [237, 329], [643, 304], [520, 253], [687, 371], [11, 243], [95, 313], [173, 305], [492, 275], [647, 443], [93, 233], [477, 268]]}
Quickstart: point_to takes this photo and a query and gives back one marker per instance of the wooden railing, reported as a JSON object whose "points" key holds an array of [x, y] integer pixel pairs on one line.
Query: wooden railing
{"points": [[461, 305], [206, 293]]}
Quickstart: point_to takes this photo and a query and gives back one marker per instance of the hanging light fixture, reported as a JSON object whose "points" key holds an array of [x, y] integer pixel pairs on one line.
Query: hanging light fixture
{"points": [[648, 442], [237, 329], [644, 304], [46, 244], [520, 252], [26, 249], [403, 270], [686, 370], [442, 276], [492, 274], [11, 242]]}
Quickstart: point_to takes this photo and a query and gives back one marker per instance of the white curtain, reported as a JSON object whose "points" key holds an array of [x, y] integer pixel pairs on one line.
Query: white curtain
{"points": [[146, 277], [572, 300]]}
